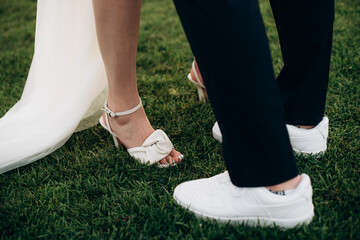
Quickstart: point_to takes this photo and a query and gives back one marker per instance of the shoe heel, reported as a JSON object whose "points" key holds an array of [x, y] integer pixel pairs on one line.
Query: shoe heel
{"points": [[202, 93], [116, 141]]}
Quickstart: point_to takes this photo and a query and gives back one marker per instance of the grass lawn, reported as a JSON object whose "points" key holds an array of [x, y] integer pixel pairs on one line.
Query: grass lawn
{"points": [[90, 190]]}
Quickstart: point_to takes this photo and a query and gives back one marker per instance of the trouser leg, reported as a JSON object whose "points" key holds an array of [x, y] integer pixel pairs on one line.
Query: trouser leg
{"points": [[229, 42], [305, 32]]}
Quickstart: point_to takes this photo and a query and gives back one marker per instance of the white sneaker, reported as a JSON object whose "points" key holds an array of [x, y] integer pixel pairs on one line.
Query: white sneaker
{"points": [[216, 132], [308, 141], [217, 198]]}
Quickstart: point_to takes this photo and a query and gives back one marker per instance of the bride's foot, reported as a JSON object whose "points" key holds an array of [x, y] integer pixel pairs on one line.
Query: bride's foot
{"points": [[133, 129]]}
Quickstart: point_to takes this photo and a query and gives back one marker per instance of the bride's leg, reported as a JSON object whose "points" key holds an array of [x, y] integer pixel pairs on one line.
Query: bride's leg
{"points": [[117, 26]]}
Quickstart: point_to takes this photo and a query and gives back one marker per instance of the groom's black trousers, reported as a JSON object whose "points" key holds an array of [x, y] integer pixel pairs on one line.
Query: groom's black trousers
{"points": [[230, 45]]}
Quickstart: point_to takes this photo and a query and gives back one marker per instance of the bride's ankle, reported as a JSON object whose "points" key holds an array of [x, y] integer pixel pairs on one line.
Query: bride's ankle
{"points": [[138, 116], [123, 104], [119, 121], [132, 129]]}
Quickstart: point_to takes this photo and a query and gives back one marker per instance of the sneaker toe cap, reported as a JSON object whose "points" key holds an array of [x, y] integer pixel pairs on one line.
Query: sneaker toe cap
{"points": [[194, 196]]}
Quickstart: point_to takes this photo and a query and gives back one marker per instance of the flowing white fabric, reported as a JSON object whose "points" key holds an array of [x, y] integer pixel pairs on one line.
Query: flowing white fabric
{"points": [[66, 84]]}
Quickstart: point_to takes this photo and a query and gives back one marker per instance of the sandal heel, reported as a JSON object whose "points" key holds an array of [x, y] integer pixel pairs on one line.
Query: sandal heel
{"points": [[202, 93], [116, 142]]}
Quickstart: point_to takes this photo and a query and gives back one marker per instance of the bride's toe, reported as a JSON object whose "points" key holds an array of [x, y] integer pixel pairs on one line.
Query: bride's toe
{"points": [[177, 156], [162, 161], [170, 159], [167, 161]]}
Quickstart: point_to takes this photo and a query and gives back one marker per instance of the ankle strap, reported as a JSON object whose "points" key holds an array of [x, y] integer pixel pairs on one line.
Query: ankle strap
{"points": [[110, 113]]}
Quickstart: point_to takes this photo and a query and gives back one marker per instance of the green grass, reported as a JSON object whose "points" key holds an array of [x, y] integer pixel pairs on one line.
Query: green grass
{"points": [[90, 190]]}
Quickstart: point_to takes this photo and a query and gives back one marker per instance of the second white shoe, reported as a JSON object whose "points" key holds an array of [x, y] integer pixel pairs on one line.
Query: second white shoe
{"points": [[217, 198], [216, 132], [309, 141]]}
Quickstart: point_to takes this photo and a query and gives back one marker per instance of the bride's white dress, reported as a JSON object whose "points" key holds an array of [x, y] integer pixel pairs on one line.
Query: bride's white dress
{"points": [[65, 86]]}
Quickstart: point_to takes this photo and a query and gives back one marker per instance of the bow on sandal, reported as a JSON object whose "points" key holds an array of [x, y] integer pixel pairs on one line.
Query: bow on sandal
{"points": [[156, 147]]}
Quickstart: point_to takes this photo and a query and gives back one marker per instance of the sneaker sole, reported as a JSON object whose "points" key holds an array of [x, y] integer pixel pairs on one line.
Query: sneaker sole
{"points": [[254, 221], [318, 154]]}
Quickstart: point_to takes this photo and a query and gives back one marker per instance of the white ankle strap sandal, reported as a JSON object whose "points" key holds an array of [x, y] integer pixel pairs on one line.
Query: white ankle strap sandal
{"points": [[156, 147], [202, 93]]}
